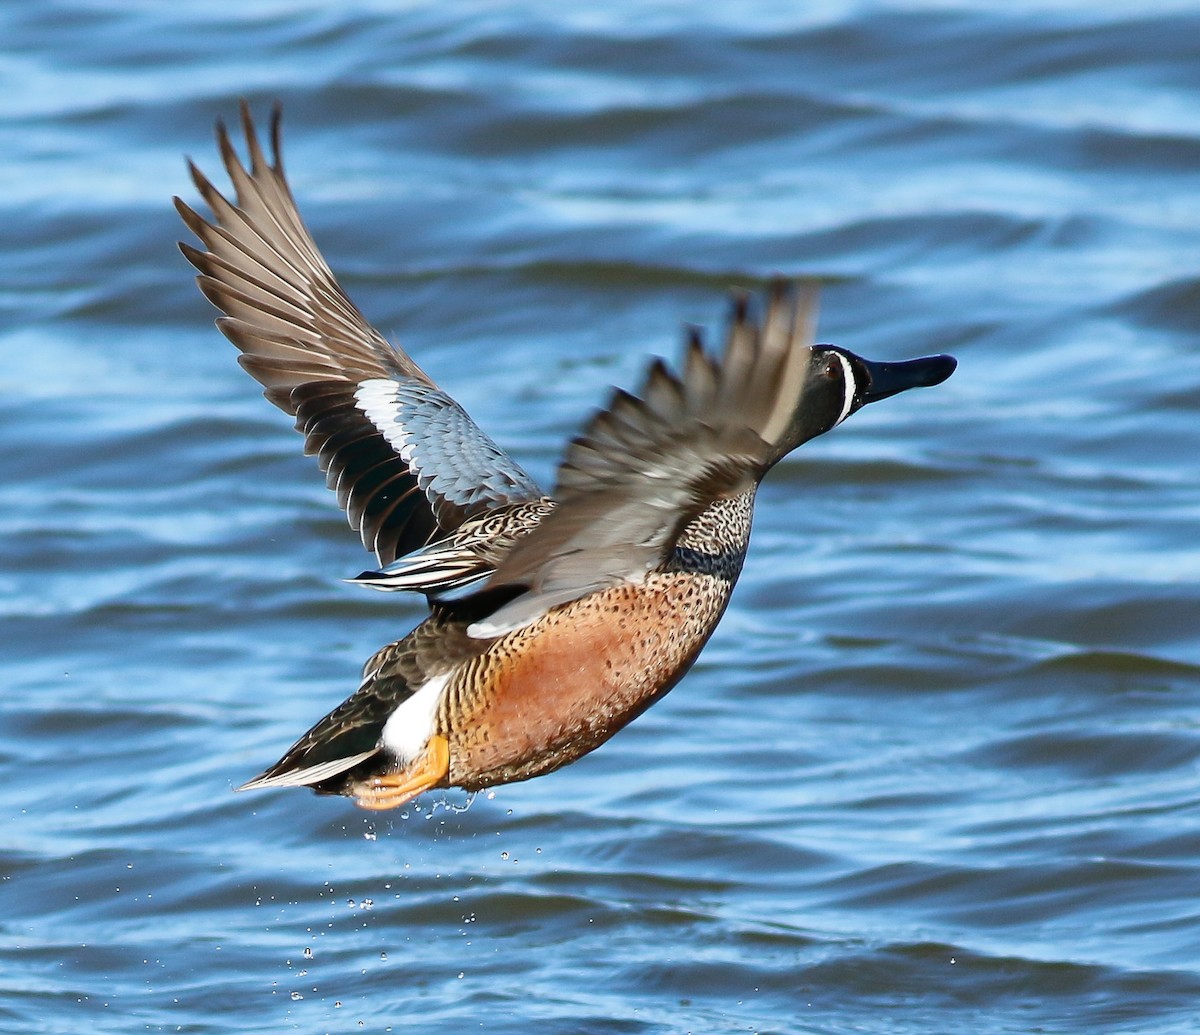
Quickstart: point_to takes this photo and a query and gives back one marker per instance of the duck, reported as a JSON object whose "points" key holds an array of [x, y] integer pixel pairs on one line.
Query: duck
{"points": [[555, 619]]}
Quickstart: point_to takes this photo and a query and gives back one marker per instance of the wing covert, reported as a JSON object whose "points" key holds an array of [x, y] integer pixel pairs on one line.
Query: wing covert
{"points": [[649, 464], [406, 461]]}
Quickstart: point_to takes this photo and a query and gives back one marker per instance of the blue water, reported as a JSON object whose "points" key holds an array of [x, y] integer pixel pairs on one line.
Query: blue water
{"points": [[939, 770]]}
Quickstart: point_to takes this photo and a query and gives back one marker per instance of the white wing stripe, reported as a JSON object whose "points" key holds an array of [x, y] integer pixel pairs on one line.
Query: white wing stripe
{"points": [[378, 399]]}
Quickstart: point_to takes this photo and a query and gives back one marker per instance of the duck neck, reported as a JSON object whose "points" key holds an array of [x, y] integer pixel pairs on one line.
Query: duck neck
{"points": [[715, 541]]}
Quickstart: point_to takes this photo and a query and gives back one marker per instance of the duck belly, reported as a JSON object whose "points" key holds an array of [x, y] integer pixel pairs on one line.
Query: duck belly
{"points": [[547, 694]]}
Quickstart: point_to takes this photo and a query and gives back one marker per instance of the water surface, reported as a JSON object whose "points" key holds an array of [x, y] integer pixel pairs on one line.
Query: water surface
{"points": [[937, 772]]}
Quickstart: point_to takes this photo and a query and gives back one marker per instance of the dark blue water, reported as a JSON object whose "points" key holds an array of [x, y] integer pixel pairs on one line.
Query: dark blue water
{"points": [[939, 770]]}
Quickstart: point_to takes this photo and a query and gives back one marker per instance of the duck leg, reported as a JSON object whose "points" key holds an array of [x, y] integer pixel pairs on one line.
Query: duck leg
{"points": [[393, 789]]}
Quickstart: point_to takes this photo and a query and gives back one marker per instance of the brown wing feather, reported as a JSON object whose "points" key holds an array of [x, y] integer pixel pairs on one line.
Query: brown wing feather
{"points": [[649, 464], [407, 462]]}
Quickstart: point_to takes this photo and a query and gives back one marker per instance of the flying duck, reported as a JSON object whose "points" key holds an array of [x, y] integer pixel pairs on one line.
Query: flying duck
{"points": [[555, 619]]}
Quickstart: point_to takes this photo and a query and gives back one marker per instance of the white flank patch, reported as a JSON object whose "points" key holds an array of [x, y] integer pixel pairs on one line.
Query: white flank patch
{"points": [[407, 732], [851, 387]]}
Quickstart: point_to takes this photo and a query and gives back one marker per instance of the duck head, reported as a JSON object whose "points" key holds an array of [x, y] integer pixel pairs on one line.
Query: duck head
{"points": [[839, 383]]}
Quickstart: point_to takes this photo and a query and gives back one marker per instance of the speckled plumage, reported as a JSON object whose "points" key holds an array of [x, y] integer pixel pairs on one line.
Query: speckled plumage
{"points": [[464, 556], [555, 620], [650, 632]]}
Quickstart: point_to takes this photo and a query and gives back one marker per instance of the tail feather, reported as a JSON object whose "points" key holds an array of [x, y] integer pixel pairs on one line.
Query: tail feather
{"points": [[307, 776]]}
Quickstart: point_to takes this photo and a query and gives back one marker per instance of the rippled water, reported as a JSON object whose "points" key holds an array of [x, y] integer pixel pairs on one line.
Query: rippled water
{"points": [[938, 770]]}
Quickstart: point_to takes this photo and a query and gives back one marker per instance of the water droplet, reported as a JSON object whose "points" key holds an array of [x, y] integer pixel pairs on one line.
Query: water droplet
{"points": [[351, 903], [504, 855], [383, 955], [308, 954], [296, 997]]}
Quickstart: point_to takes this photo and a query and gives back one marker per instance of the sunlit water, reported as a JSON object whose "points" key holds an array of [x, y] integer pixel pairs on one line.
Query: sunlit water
{"points": [[937, 772]]}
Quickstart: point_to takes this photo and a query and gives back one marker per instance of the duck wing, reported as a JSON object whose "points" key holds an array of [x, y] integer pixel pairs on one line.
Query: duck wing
{"points": [[649, 464], [407, 462]]}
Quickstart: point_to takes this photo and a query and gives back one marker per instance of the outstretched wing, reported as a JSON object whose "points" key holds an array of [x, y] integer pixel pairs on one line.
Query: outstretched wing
{"points": [[406, 461], [648, 465]]}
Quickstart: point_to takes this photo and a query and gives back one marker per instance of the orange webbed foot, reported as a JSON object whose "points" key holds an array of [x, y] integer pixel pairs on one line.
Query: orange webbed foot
{"points": [[393, 789]]}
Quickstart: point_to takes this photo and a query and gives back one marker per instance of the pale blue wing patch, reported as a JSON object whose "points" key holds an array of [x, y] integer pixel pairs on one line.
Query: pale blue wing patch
{"points": [[456, 465]]}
